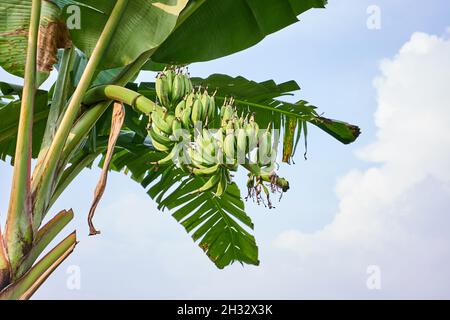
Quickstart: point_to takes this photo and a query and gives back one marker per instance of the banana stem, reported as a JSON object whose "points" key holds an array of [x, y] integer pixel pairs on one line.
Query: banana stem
{"points": [[90, 117], [50, 164], [19, 231], [56, 108], [124, 95], [102, 96]]}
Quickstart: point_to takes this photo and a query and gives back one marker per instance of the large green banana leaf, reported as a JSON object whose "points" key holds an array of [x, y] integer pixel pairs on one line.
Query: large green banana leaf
{"points": [[205, 29], [220, 225], [209, 29], [14, 22], [145, 24]]}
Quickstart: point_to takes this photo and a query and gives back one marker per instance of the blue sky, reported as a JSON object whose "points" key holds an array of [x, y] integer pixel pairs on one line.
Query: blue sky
{"points": [[339, 216]]}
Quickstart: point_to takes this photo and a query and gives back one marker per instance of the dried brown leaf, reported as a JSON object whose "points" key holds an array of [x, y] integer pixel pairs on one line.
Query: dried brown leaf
{"points": [[118, 117]]}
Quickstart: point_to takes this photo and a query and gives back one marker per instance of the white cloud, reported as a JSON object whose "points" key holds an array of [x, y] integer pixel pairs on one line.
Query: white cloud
{"points": [[395, 214]]}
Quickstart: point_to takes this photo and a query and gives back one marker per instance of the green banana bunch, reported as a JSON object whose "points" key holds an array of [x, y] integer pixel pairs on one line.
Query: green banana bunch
{"points": [[172, 86], [164, 131], [210, 156]]}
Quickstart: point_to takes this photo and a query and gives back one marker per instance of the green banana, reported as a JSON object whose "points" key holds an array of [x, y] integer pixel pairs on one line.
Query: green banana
{"points": [[170, 74], [200, 160], [177, 129], [169, 118], [180, 108], [241, 145], [229, 148], [197, 110], [160, 137], [162, 89], [159, 146], [229, 127], [265, 148], [207, 171], [211, 109], [237, 124], [205, 105], [252, 137], [187, 85], [186, 117], [222, 109], [219, 136], [190, 99], [168, 158], [222, 185], [160, 123], [204, 152], [228, 113], [211, 183], [177, 88]]}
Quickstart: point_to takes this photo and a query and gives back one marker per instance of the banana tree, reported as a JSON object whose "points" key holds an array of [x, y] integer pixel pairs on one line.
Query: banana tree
{"points": [[95, 110]]}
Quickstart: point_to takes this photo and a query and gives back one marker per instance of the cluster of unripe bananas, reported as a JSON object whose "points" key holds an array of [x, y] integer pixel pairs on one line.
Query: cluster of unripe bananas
{"points": [[179, 127]]}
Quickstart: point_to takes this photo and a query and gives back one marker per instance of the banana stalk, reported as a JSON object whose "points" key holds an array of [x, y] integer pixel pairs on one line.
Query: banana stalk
{"points": [[19, 230]]}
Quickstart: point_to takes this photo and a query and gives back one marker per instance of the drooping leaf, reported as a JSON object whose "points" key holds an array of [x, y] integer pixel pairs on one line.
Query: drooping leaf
{"points": [[209, 29], [14, 22], [217, 223], [116, 125], [144, 25], [342, 131], [288, 138]]}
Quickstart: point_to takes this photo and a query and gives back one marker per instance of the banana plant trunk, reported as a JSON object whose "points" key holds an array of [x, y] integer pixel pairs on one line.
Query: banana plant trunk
{"points": [[24, 239]]}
